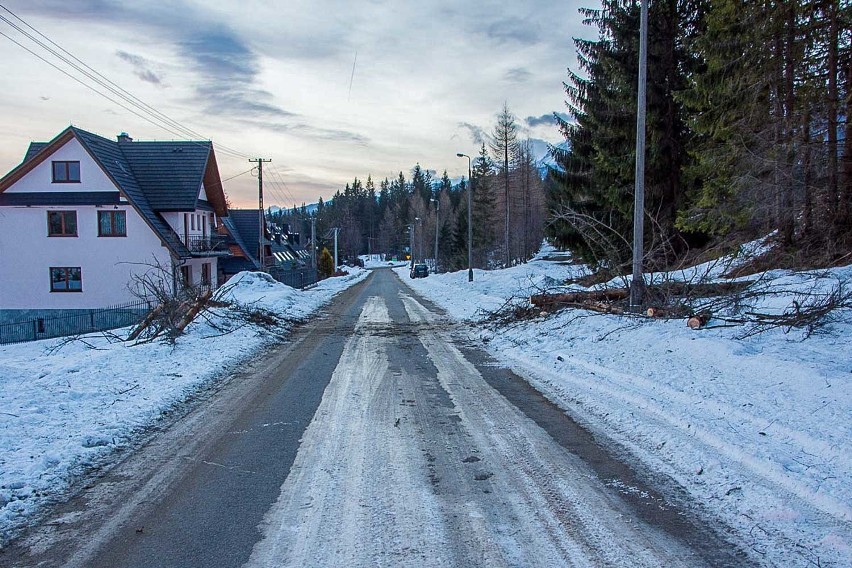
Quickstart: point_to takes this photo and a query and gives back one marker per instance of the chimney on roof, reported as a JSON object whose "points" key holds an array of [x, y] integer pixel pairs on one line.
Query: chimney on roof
{"points": [[124, 137]]}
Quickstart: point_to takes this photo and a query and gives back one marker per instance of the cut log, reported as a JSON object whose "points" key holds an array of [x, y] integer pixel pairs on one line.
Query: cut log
{"points": [[194, 310], [698, 320], [145, 323]]}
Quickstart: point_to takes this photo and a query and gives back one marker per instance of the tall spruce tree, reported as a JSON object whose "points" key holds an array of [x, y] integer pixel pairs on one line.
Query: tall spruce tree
{"points": [[591, 190], [484, 215]]}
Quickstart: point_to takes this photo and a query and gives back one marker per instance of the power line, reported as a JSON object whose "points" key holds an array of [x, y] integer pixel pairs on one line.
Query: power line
{"points": [[237, 175], [275, 178], [90, 73], [275, 189], [95, 75], [154, 116], [278, 188], [80, 81], [277, 173]]}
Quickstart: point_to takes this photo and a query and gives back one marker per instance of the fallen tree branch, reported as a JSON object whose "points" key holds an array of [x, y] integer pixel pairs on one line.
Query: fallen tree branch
{"points": [[545, 301], [199, 305]]}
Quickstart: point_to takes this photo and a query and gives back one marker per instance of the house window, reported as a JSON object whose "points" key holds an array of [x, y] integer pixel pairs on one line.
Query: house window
{"points": [[66, 172], [186, 276], [205, 274], [192, 220], [112, 223], [66, 279], [61, 223]]}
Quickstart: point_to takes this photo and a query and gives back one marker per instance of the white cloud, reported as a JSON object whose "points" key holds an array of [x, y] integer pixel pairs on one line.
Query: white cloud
{"points": [[273, 80]]}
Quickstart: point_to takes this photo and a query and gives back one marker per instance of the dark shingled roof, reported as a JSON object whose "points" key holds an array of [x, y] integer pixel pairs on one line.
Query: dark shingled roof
{"points": [[35, 148], [170, 172], [244, 226], [112, 159]]}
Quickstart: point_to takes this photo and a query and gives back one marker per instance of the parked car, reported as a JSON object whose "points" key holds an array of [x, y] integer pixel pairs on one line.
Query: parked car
{"points": [[419, 271]]}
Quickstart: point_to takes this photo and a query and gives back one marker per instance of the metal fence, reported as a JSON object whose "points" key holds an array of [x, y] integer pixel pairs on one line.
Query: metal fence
{"points": [[299, 278], [206, 243], [87, 321]]}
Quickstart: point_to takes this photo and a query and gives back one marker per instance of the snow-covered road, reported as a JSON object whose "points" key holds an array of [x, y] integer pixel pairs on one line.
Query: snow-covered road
{"points": [[413, 459]]}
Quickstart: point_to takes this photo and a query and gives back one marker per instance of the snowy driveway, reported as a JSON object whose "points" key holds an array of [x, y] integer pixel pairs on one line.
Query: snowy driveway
{"points": [[411, 458]]}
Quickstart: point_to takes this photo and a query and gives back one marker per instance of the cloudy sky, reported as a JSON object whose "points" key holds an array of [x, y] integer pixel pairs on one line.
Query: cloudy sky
{"points": [[274, 79]]}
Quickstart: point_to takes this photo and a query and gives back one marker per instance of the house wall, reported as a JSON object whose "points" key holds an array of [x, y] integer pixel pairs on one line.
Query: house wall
{"points": [[182, 223], [40, 179], [108, 264], [195, 265]]}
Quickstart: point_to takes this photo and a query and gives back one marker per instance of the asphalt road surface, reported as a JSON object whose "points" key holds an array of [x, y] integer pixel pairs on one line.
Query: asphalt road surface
{"points": [[378, 436]]}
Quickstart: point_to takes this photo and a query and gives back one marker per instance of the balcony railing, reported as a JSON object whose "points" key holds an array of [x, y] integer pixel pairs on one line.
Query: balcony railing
{"points": [[207, 244]]}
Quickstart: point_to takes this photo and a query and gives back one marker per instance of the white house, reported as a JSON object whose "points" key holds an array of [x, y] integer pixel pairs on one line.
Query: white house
{"points": [[82, 217]]}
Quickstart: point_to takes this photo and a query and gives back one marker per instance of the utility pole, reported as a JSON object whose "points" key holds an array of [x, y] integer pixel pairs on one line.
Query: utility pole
{"points": [[261, 220], [335, 229], [637, 285], [420, 239], [411, 243], [437, 201], [314, 241], [506, 174], [469, 217]]}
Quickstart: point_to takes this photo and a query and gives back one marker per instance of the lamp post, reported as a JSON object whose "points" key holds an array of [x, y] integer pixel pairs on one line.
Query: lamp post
{"points": [[411, 243], [419, 238], [469, 218], [437, 219]]}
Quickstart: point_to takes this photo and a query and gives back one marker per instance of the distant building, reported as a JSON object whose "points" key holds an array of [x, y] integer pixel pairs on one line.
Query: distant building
{"points": [[280, 250]]}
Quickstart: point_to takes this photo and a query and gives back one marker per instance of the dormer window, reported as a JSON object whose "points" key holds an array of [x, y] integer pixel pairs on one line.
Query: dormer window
{"points": [[66, 172]]}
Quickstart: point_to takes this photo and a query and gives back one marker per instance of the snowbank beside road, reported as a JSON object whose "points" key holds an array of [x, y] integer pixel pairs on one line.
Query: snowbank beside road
{"points": [[758, 430], [64, 409]]}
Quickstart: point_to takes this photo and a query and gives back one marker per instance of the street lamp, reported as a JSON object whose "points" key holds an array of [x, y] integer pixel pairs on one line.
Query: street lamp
{"points": [[411, 243], [437, 219], [469, 219], [419, 238]]}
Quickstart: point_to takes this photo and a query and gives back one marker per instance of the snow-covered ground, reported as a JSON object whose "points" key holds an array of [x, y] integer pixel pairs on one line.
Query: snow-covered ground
{"points": [[759, 430], [66, 407], [378, 261]]}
